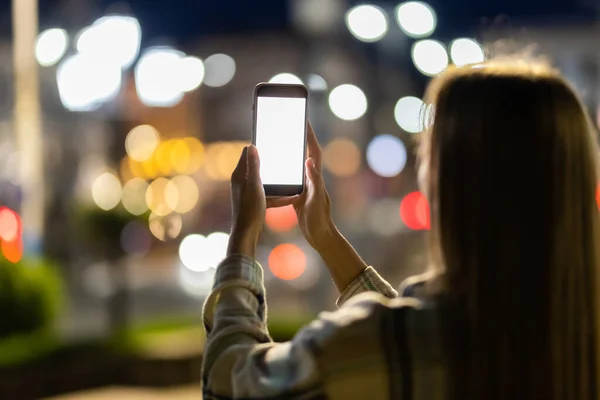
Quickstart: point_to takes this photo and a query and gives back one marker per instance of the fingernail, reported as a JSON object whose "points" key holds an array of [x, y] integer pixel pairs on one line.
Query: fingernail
{"points": [[253, 150]]}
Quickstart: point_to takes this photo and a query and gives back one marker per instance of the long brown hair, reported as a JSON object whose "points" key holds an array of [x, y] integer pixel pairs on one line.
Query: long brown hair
{"points": [[511, 175]]}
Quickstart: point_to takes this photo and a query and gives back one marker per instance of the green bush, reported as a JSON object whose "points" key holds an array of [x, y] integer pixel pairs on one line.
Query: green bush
{"points": [[31, 297]]}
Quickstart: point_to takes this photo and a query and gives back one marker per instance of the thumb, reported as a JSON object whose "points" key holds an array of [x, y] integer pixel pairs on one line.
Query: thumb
{"points": [[311, 171], [253, 163]]}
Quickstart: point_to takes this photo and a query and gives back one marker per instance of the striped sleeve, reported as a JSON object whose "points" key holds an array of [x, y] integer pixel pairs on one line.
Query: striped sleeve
{"points": [[368, 281]]}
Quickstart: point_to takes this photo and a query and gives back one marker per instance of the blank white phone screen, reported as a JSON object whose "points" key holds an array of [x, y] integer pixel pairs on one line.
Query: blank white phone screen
{"points": [[280, 124]]}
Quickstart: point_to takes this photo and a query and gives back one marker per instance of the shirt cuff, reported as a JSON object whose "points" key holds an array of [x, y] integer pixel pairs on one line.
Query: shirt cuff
{"points": [[235, 271], [368, 281]]}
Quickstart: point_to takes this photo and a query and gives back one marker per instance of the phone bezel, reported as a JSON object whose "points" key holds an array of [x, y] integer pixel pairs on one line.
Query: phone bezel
{"points": [[281, 90]]}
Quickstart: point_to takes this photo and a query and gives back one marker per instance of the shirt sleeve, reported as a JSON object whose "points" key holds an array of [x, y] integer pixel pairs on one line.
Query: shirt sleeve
{"points": [[240, 358], [368, 281]]}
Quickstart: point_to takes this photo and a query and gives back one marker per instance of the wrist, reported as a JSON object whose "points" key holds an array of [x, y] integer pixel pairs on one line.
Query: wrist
{"points": [[242, 242], [326, 238]]}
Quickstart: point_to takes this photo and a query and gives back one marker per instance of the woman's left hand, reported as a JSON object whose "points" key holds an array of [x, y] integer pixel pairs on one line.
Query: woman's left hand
{"points": [[248, 204]]}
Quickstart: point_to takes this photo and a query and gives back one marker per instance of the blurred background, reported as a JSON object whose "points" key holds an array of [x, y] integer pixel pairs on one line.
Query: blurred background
{"points": [[121, 122]]}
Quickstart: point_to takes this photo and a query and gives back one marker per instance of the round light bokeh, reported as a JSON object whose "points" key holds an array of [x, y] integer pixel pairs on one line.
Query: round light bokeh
{"points": [[188, 191], [408, 114], [141, 142], [367, 23], [162, 197], [51, 46], [165, 227], [348, 102], [191, 73], [416, 19], [430, 57], [386, 155], [106, 191], [219, 70], [466, 51], [287, 78], [158, 77], [134, 196], [342, 157], [316, 83], [200, 253]]}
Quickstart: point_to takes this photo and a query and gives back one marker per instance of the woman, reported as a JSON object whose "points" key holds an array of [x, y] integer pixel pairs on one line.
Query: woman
{"points": [[509, 308]]}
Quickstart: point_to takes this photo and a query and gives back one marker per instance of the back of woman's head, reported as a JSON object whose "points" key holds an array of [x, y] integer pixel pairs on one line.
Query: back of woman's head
{"points": [[511, 174]]}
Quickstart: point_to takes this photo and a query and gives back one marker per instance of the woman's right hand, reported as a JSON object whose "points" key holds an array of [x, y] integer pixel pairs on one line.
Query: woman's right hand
{"points": [[313, 207]]}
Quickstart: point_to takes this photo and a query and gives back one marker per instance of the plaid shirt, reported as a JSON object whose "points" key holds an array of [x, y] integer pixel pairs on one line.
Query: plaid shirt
{"points": [[376, 346]]}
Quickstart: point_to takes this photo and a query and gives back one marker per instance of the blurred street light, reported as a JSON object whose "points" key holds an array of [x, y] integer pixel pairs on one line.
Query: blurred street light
{"points": [[386, 155], [408, 112], [141, 142], [316, 83], [84, 82], [286, 77], [416, 19], [114, 39], [466, 51], [50, 46], [157, 77], [348, 102], [192, 73], [106, 191], [220, 70], [367, 23], [134, 196], [199, 253], [342, 157], [430, 57]]}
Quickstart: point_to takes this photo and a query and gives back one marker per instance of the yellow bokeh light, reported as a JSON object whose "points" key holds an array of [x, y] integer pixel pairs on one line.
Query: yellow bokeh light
{"points": [[134, 196], [197, 154], [181, 156], [227, 158], [188, 191], [210, 166], [162, 197], [162, 157], [150, 168], [342, 157], [165, 228], [106, 191], [141, 142]]}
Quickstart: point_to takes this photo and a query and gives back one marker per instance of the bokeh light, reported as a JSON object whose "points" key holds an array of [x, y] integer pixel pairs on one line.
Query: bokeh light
{"points": [[408, 114], [51, 46], [430, 57], [348, 102], [141, 142], [13, 251], [316, 83], [191, 73], [281, 219], [157, 77], [85, 83], [342, 157], [367, 23], [416, 19], [165, 227], [115, 39], [196, 284], [106, 191], [188, 193], [222, 158], [286, 77], [136, 239], [466, 51], [196, 154], [162, 197], [219, 70], [382, 218], [10, 224], [414, 211], [134, 196], [162, 157], [199, 253], [386, 155], [287, 261], [181, 155]]}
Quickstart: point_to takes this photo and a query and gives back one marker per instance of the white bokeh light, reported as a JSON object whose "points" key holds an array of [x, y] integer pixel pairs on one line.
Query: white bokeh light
{"points": [[106, 191], [316, 83], [466, 51], [200, 253], [348, 102], [367, 22], [408, 112], [158, 77], [220, 70], [416, 19], [286, 77], [115, 38], [430, 57], [197, 284], [191, 73], [386, 155], [51, 46], [85, 83]]}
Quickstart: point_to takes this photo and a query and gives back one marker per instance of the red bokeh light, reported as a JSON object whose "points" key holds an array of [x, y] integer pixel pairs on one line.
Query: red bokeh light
{"points": [[287, 261], [281, 219], [13, 251], [598, 195], [414, 211], [10, 224]]}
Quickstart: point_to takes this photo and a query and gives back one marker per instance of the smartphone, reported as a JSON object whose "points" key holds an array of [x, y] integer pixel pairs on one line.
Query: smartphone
{"points": [[279, 134]]}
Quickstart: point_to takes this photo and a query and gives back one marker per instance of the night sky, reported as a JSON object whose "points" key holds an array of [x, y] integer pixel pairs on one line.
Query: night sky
{"points": [[182, 20]]}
